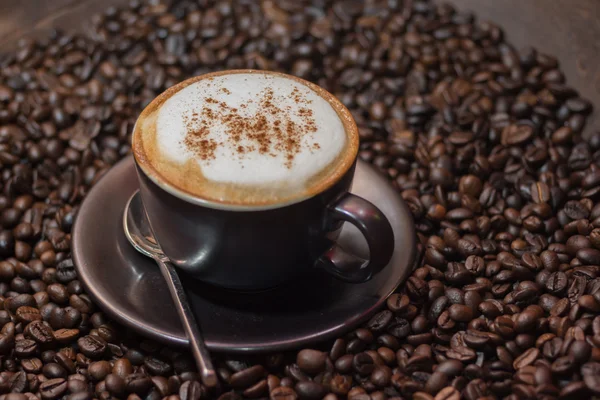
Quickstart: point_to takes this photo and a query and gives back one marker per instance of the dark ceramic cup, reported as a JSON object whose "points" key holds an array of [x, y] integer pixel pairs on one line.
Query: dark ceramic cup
{"points": [[250, 247]]}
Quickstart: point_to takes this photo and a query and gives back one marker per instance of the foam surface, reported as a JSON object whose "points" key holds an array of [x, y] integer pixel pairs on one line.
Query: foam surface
{"points": [[250, 129]]}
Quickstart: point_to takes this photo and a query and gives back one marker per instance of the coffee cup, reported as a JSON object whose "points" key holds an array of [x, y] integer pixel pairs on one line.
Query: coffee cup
{"points": [[245, 179]]}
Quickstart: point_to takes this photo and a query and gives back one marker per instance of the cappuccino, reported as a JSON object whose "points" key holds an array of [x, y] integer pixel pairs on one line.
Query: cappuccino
{"points": [[244, 137]]}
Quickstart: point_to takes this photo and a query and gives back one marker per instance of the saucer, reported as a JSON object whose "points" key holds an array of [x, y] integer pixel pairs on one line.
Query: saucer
{"points": [[130, 288]]}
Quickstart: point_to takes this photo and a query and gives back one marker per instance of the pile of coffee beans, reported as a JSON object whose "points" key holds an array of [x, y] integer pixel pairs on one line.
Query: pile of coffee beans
{"points": [[483, 141]]}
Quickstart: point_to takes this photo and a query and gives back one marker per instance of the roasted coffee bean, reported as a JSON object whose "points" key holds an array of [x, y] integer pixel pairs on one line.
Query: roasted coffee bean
{"points": [[77, 385], [344, 363], [53, 388], [65, 271], [563, 365], [399, 327], [387, 355], [283, 393], [580, 350], [28, 314], [57, 293], [13, 303], [25, 348], [355, 346], [32, 365], [310, 390], [115, 384], [450, 368], [398, 303], [138, 384], [6, 341], [54, 370], [190, 390], [556, 282], [363, 364], [66, 335], [436, 382], [122, 367], [380, 321], [460, 313], [311, 361], [341, 384], [40, 332], [63, 359], [48, 356], [247, 377], [156, 366], [91, 346], [99, 370], [381, 376], [16, 382], [592, 382], [294, 372], [525, 359], [448, 393]]}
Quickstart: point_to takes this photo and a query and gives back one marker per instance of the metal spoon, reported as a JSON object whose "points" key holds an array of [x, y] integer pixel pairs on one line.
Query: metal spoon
{"points": [[138, 233]]}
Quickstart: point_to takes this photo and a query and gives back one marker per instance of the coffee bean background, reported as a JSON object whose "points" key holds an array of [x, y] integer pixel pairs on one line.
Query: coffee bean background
{"points": [[482, 140]]}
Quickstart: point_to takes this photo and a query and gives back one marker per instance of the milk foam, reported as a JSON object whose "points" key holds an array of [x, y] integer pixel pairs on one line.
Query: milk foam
{"points": [[319, 135]]}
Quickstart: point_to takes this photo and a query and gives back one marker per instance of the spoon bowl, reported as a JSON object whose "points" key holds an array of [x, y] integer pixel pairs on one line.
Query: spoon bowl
{"points": [[137, 230]]}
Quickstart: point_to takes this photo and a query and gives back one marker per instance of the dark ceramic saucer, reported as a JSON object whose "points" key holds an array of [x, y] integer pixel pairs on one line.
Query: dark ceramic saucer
{"points": [[130, 288]]}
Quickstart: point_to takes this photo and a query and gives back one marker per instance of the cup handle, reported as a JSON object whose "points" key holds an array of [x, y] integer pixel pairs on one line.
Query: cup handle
{"points": [[376, 229]]}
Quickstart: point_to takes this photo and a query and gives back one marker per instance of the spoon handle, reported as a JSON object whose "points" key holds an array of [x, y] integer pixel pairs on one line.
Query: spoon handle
{"points": [[207, 371]]}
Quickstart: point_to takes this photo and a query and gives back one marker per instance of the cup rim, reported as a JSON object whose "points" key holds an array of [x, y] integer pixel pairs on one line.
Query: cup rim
{"points": [[340, 170]]}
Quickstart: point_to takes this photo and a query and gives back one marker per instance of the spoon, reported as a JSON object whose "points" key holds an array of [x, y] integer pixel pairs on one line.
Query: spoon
{"points": [[138, 233]]}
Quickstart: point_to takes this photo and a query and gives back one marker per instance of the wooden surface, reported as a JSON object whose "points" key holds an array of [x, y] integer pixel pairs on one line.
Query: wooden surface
{"points": [[34, 18], [568, 29]]}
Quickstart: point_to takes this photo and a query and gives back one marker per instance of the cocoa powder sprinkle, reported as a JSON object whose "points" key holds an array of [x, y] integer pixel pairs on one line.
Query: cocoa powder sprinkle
{"points": [[284, 133]]}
